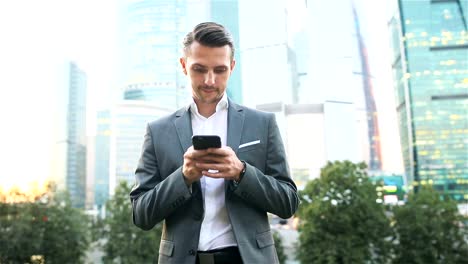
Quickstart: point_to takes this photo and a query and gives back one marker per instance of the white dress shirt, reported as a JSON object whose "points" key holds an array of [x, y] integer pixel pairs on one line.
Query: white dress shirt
{"points": [[216, 230]]}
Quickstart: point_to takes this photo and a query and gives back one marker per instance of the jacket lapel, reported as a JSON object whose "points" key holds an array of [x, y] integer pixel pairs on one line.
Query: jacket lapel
{"points": [[183, 126], [235, 125]]}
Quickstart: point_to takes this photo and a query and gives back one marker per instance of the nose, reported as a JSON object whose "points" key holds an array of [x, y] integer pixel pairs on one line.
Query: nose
{"points": [[210, 78]]}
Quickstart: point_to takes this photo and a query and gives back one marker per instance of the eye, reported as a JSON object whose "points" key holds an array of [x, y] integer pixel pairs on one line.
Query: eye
{"points": [[220, 70], [199, 69]]}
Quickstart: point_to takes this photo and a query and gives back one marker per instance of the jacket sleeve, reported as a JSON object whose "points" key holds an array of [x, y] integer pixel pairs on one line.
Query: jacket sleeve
{"points": [[272, 190], [154, 198]]}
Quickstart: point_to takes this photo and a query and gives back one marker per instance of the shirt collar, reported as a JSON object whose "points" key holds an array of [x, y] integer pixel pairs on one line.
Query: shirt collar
{"points": [[222, 104]]}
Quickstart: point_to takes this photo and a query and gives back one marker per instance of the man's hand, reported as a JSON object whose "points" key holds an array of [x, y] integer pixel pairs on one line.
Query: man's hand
{"points": [[190, 171], [220, 163]]}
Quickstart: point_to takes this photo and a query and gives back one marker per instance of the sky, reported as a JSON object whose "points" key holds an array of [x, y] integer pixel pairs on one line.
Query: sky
{"points": [[39, 36]]}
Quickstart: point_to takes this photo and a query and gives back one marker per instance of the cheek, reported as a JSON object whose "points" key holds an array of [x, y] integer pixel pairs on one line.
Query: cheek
{"points": [[195, 78], [223, 79]]}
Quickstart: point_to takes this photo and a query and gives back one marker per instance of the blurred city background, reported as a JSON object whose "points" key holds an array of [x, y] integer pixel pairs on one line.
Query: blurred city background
{"points": [[379, 82]]}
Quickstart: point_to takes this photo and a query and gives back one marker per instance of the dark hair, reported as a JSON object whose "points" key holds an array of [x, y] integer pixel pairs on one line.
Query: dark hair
{"points": [[209, 34]]}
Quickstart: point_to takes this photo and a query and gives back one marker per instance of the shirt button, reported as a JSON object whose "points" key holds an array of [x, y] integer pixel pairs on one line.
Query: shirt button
{"points": [[192, 252]]}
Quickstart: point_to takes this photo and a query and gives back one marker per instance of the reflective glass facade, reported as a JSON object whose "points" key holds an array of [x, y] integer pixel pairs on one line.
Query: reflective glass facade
{"points": [[151, 33], [430, 44], [76, 136], [127, 129], [102, 145], [120, 133], [69, 155]]}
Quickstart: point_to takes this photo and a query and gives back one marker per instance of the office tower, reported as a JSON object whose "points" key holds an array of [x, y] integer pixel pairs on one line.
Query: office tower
{"points": [[430, 65], [373, 136], [69, 158], [330, 68], [263, 51], [150, 35], [101, 163], [119, 138], [315, 134]]}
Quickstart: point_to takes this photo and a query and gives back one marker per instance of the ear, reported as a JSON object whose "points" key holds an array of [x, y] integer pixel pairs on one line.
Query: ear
{"points": [[233, 64], [183, 64]]}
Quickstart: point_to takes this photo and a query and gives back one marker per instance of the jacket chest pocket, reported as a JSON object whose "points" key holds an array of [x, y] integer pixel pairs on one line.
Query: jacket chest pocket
{"points": [[254, 155]]}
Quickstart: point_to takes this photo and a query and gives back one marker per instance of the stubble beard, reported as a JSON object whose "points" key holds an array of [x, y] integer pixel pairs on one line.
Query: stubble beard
{"points": [[208, 99]]}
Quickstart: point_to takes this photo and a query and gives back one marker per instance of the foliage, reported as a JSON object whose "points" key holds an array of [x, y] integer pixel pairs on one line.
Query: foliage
{"points": [[123, 241], [279, 247], [66, 233], [47, 229], [430, 230], [341, 222]]}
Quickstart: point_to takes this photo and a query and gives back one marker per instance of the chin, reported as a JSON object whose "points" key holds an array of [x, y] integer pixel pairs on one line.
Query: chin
{"points": [[212, 101]]}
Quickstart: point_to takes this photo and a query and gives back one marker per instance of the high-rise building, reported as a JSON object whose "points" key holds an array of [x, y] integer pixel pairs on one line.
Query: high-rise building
{"points": [[315, 134], [101, 164], [150, 35], [120, 134], [330, 67], [373, 135], [263, 50], [430, 66], [69, 160]]}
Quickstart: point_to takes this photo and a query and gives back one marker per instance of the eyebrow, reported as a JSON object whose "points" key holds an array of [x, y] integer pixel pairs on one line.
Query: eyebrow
{"points": [[198, 65], [203, 66]]}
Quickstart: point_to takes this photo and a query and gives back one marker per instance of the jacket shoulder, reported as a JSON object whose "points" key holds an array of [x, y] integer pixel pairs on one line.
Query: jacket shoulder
{"points": [[165, 120]]}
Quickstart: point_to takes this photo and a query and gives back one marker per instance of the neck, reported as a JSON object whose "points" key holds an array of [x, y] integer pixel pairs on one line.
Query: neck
{"points": [[206, 110]]}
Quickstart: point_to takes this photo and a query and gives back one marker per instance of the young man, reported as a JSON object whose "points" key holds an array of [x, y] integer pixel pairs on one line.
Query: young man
{"points": [[214, 202]]}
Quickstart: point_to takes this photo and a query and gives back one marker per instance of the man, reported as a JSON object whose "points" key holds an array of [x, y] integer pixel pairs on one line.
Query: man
{"points": [[214, 202]]}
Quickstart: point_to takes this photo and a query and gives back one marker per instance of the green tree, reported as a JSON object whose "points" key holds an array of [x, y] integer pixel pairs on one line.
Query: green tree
{"points": [[123, 241], [279, 247], [47, 227], [341, 220], [429, 229], [66, 233], [20, 232]]}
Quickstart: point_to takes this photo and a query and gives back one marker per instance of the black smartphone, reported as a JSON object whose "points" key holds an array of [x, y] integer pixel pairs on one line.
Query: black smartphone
{"points": [[206, 141]]}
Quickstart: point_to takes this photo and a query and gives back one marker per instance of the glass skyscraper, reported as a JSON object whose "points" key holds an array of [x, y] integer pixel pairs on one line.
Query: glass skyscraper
{"points": [[120, 133], [150, 34], [263, 50], [430, 66], [373, 135], [330, 67], [69, 165], [101, 164]]}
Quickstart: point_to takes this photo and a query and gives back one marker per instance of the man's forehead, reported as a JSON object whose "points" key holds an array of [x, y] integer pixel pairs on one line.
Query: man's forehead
{"points": [[196, 49]]}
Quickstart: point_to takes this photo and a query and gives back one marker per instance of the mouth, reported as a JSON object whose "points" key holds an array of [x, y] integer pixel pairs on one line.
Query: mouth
{"points": [[208, 89]]}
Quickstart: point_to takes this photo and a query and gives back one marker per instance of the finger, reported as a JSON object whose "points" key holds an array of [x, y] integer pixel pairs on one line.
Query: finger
{"points": [[209, 166], [197, 154], [212, 159], [225, 151]]}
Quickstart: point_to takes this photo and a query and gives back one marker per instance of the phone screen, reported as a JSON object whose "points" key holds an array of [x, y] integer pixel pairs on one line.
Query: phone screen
{"points": [[206, 141]]}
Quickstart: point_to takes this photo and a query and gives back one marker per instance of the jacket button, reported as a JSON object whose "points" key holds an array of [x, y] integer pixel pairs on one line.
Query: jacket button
{"points": [[192, 252]]}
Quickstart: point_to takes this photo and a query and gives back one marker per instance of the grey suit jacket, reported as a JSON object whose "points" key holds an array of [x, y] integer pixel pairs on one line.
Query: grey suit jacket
{"points": [[160, 192]]}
